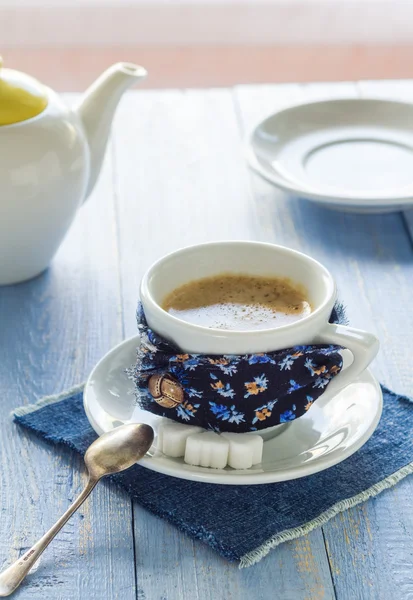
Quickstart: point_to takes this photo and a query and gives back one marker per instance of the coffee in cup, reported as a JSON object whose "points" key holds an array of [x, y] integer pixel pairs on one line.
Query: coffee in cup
{"points": [[239, 302]]}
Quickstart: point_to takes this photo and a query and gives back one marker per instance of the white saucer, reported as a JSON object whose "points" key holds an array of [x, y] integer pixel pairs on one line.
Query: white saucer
{"points": [[349, 154], [331, 431]]}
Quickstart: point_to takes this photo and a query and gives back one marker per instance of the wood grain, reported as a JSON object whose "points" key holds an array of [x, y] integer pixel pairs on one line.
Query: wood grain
{"points": [[176, 175], [52, 331], [371, 258], [181, 179], [373, 544]]}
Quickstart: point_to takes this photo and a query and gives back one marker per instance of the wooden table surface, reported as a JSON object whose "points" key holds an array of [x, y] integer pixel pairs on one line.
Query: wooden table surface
{"points": [[175, 175]]}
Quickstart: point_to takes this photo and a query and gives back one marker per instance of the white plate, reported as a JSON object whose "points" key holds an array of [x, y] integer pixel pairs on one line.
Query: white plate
{"points": [[351, 154], [331, 431]]}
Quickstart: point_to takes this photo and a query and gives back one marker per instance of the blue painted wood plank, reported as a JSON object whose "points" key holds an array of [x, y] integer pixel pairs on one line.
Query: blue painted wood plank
{"points": [[197, 190], [369, 547], [52, 331], [181, 179], [174, 567], [380, 536]]}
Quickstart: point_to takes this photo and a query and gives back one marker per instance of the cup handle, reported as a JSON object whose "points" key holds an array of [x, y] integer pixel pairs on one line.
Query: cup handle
{"points": [[363, 346]]}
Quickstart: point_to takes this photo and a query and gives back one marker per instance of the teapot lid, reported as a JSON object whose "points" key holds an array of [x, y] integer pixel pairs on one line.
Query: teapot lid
{"points": [[21, 97]]}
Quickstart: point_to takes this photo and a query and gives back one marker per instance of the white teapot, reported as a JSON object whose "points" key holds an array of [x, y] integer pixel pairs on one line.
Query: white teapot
{"points": [[50, 159]]}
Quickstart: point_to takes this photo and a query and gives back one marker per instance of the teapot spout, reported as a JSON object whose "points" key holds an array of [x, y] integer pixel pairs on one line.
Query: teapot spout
{"points": [[97, 108]]}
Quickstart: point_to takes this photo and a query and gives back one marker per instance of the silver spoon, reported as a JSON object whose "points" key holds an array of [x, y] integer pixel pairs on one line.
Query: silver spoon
{"points": [[111, 453]]}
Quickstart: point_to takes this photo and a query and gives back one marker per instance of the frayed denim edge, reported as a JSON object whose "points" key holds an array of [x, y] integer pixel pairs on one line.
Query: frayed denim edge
{"points": [[251, 558], [29, 408]]}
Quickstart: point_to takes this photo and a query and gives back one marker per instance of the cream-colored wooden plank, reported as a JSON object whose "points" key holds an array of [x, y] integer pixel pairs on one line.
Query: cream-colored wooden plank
{"points": [[393, 90]]}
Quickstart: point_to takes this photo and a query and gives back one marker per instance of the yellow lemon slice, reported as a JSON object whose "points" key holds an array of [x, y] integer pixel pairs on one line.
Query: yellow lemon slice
{"points": [[21, 97]]}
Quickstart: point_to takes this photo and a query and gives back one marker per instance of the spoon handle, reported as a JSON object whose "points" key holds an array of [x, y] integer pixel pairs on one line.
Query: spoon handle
{"points": [[12, 577]]}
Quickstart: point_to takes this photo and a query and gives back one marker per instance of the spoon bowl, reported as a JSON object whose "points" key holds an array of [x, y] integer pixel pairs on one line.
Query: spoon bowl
{"points": [[118, 449]]}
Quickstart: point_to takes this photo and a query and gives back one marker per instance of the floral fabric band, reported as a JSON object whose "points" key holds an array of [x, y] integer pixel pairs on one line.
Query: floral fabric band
{"points": [[231, 392]]}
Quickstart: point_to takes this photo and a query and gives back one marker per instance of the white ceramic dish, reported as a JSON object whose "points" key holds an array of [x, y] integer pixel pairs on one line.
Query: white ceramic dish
{"points": [[333, 429], [347, 154]]}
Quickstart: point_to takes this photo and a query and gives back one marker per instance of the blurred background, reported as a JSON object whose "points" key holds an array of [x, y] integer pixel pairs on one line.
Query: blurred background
{"points": [[196, 43]]}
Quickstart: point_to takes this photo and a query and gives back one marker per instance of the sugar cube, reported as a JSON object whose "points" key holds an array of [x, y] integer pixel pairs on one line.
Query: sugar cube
{"points": [[172, 437], [245, 449], [208, 449]]}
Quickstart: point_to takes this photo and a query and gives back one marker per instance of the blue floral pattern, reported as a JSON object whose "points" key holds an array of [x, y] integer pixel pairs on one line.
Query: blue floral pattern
{"points": [[230, 414], [288, 415], [187, 411], [231, 392]]}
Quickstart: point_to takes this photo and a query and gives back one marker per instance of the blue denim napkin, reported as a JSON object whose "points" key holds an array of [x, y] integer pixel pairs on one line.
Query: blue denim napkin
{"points": [[243, 523]]}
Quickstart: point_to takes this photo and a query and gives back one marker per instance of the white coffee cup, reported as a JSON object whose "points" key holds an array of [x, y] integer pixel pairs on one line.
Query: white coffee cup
{"points": [[253, 258]]}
